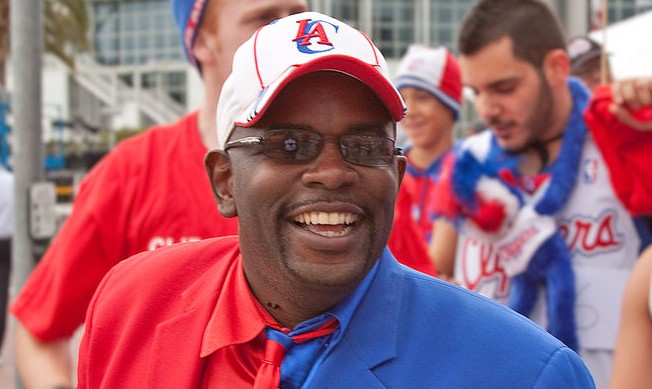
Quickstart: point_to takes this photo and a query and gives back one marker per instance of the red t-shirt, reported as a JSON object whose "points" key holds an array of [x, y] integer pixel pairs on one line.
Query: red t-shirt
{"points": [[150, 191], [406, 241]]}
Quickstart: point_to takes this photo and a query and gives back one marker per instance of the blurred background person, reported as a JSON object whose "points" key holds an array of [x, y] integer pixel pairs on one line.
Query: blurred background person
{"points": [[543, 229], [429, 82], [586, 59]]}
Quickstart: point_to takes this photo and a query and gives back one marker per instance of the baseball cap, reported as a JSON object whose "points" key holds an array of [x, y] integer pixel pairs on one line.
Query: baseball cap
{"points": [[582, 49], [293, 46], [188, 15], [434, 70]]}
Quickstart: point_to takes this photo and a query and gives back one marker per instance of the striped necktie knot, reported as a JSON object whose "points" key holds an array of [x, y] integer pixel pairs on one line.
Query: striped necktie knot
{"points": [[276, 346]]}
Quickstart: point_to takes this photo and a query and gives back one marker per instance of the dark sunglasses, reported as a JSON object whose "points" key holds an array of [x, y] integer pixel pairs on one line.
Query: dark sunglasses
{"points": [[297, 146]]}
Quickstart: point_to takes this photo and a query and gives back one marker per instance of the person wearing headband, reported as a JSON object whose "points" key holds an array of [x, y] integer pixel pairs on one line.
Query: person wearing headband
{"points": [[307, 294]]}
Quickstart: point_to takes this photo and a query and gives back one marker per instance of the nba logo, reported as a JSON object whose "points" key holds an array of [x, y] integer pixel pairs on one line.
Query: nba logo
{"points": [[590, 171]]}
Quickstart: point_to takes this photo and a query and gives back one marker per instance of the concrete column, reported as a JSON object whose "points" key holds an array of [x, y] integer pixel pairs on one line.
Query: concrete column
{"points": [[26, 102]]}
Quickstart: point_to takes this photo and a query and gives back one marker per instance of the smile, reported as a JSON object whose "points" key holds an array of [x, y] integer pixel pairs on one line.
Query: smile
{"points": [[328, 224]]}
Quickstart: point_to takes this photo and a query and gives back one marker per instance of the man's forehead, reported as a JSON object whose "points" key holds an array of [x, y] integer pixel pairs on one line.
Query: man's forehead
{"points": [[492, 67]]}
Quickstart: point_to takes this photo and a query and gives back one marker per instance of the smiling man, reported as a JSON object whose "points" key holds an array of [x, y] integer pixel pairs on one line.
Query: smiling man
{"points": [[307, 295]]}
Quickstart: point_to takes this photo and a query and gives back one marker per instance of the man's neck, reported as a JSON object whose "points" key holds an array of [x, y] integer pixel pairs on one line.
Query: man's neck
{"points": [[206, 127], [423, 157], [295, 304], [213, 81]]}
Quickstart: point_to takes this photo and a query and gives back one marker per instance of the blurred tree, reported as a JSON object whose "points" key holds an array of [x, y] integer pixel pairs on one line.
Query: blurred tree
{"points": [[66, 29], [65, 32]]}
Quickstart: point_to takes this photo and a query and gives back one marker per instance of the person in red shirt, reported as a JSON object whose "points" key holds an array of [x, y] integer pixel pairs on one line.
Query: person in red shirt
{"points": [[150, 191], [429, 81]]}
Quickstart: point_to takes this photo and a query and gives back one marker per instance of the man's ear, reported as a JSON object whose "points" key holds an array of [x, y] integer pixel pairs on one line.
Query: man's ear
{"points": [[220, 175], [401, 165], [556, 65]]}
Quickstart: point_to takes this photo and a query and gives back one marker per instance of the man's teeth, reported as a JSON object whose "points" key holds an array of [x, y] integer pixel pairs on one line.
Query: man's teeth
{"points": [[326, 218]]}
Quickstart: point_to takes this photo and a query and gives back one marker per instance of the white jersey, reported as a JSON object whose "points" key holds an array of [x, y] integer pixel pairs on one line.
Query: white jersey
{"points": [[602, 240]]}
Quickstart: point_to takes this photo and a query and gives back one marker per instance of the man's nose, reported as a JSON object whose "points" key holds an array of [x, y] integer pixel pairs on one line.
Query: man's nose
{"points": [[329, 169]]}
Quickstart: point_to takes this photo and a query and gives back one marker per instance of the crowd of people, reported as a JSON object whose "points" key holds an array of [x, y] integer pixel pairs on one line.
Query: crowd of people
{"points": [[278, 236]]}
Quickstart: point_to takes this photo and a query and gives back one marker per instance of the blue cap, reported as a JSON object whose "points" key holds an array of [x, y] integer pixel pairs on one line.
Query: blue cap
{"points": [[188, 15]]}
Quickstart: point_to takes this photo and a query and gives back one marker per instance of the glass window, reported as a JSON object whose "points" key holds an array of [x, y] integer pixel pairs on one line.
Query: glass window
{"points": [[144, 29], [148, 80], [127, 78]]}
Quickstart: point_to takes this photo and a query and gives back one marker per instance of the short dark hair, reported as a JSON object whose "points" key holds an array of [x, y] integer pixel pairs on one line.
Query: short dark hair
{"points": [[532, 25]]}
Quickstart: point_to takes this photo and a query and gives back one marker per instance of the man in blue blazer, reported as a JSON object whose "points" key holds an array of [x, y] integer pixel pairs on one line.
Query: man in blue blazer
{"points": [[306, 295]]}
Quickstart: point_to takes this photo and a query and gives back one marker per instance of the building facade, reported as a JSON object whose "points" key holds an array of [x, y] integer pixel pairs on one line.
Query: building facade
{"points": [[144, 78]]}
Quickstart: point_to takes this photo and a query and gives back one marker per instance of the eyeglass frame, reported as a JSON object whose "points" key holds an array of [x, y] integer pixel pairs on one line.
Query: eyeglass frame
{"points": [[259, 140]]}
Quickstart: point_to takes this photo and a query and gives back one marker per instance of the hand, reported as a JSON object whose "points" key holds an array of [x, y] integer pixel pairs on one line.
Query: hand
{"points": [[633, 95]]}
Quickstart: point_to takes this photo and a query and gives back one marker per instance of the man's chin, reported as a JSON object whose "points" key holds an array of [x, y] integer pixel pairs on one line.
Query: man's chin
{"points": [[511, 146]]}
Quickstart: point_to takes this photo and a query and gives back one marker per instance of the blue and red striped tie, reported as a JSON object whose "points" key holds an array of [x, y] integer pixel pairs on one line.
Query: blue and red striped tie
{"points": [[277, 344]]}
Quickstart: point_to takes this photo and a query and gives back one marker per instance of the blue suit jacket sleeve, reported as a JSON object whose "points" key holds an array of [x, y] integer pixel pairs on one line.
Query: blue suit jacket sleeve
{"points": [[565, 370]]}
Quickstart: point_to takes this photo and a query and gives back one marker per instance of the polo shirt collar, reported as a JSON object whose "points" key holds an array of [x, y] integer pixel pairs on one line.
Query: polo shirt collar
{"points": [[239, 318]]}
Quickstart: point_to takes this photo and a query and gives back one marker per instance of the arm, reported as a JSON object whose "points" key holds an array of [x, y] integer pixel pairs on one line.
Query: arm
{"points": [[565, 370], [620, 120], [53, 301], [442, 248], [42, 364], [633, 354]]}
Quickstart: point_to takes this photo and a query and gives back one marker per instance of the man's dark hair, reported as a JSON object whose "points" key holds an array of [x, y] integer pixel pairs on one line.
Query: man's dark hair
{"points": [[532, 25]]}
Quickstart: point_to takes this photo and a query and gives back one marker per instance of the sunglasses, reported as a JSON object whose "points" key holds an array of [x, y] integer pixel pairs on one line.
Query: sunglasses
{"points": [[298, 146]]}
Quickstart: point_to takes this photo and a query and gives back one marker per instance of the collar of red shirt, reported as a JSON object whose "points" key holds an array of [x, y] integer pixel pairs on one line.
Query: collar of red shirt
{"points": [[239, 318]]}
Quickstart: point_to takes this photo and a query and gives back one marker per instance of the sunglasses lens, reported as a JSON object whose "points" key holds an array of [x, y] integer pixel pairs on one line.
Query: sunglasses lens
{"points": [[292, 145], [367, 150], [301, 146]]}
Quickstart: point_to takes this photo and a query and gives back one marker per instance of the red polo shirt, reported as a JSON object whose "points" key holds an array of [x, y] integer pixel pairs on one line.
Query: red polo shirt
{"points": [[234, 339]]}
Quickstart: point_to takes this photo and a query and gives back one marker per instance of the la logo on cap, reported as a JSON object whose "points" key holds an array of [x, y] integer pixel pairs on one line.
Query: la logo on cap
{"points": [[309, 30]]}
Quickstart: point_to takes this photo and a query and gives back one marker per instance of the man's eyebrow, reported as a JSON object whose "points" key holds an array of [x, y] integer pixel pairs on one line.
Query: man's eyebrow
{"points": [[502, 81], [370, 127], [495, 84], [291, 126]]}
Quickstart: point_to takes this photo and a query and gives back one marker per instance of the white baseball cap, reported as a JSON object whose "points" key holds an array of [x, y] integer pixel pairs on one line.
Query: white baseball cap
{"points": [[293, 46], [434, 70]]}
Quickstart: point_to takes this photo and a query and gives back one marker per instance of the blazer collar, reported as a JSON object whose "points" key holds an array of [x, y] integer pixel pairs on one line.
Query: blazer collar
{"points": [[373, 331], [372, 336]]}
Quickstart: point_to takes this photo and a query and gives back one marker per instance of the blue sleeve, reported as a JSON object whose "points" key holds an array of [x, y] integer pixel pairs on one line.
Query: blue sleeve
{"points": [[566, 370]]}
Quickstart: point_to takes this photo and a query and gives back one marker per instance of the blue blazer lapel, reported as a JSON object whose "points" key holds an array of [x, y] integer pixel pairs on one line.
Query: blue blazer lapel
{"points": [[345, 369], [372, 335]]}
